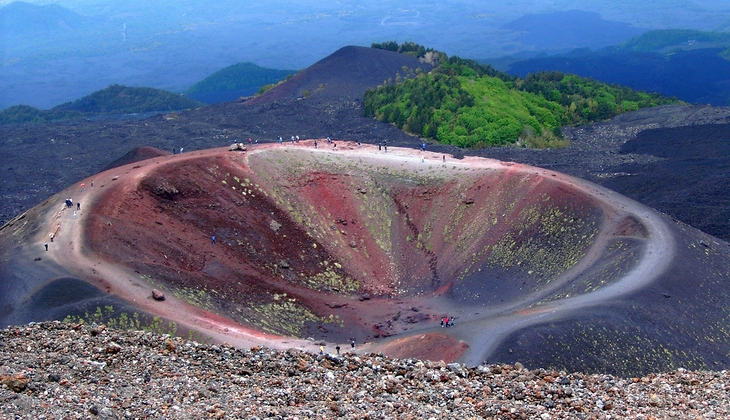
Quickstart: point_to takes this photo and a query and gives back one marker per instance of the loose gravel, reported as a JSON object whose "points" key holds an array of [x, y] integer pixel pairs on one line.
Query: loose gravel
{"points": [[57, 370]]}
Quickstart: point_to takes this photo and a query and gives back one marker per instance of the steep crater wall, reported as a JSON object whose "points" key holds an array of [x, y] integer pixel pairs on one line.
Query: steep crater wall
{"points": [[318, 243]]}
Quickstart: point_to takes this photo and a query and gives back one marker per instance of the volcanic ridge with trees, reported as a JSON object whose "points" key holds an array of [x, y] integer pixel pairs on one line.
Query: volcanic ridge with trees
{"points": [[471, 105]]}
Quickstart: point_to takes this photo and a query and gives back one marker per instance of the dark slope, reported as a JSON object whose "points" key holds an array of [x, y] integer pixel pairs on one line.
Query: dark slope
{"points": [[676, 322], [35, 289], [696, 173], [344, 75], [137, 154]]}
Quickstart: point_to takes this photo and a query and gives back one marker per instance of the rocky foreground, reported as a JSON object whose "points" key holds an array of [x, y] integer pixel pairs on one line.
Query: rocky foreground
{"points": [[65, 371]]}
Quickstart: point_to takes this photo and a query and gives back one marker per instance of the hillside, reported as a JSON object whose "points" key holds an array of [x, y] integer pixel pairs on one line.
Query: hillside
{"points": [[699, 76], [118, 99], [233, 82], [114, 100], [343, 76], [470, 105], [676, 39]]}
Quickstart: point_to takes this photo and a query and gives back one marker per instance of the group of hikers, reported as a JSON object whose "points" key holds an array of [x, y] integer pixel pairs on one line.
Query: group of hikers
{"points": [[69, 205], [337, 348], [447, 322], [295, 140]]}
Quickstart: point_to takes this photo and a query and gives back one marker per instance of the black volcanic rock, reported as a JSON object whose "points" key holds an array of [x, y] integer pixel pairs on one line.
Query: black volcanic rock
{"points": [[344, 75], [137, 154]]}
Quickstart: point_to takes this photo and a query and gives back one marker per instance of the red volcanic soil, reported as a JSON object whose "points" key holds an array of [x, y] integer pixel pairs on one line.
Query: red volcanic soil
{"points": [[356, 243], [344, 243], [430, 346]]}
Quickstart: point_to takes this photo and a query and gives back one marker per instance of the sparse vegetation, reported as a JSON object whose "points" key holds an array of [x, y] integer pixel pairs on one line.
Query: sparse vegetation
{"points": [[123, 321]]}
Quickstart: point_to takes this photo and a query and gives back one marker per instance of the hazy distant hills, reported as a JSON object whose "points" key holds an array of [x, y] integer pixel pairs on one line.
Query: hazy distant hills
{"points": [[232, 82], [57, 52], [20, 20], [691, 65], [114, 100], [586, 30]]}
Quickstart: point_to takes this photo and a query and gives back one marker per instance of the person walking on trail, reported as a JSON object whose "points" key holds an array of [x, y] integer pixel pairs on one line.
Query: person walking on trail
{"points": [[83, 187], [78, 206], [315, 144], [51, 235], [443, 157], [74, 215], [46, 244], [321, 350], [338, 349], [352, 343], [92, 184], [212, 239]]}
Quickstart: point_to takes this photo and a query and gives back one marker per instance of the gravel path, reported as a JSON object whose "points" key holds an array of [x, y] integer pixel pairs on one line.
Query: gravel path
{"points": [[59, 370]]}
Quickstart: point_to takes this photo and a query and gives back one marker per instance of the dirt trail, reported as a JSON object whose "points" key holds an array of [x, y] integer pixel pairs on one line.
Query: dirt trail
{"points": [[482, 332], [69, 250], [659, 250], [483, 328]]}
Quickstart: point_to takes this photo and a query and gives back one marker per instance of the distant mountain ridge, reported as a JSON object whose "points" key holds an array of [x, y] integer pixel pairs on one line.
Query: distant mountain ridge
{"points": [[364, 68], [232, 82], [547, 31], [694, 66], [21, 19], [115, 99], [676, 39]]}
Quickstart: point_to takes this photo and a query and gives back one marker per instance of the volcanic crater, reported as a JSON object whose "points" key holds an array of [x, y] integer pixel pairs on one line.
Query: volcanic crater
{"points": [[351, 242]]}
